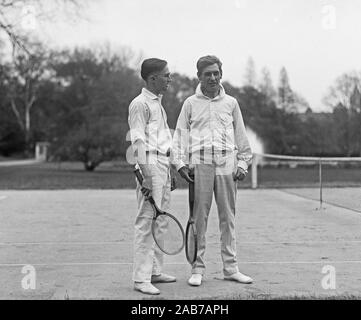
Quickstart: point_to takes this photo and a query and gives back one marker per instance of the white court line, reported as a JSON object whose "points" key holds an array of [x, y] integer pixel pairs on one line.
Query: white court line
{"points": [[174, 263], [127, 243], [51, 243], [3, 197]]}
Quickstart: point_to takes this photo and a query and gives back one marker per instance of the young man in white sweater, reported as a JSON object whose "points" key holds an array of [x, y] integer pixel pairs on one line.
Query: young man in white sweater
{"points": [[210, 140]]}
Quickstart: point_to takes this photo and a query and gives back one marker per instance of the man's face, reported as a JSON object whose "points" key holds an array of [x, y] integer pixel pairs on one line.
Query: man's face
{"points": [[210, 78], [162, 80]]}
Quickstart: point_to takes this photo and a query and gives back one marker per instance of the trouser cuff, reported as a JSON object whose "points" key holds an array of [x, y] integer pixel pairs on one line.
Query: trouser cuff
{"points": [[229, 271], [198, 271]]}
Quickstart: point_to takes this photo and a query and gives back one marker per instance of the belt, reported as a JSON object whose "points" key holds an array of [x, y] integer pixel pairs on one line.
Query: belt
{"points": [[167, 154], [213, 152], [158, 153]]}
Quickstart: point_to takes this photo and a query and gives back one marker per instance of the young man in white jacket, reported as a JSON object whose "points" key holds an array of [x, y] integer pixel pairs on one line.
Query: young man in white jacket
{"points": [[210, 140], [151, 140]]}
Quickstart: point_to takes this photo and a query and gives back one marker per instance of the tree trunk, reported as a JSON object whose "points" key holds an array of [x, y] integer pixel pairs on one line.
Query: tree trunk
{"points": [[28, 106], [17, 114], [27, 132], [349, 142], [359, 133]]}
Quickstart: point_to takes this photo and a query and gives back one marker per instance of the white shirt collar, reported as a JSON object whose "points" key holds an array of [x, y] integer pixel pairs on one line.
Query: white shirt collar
{"points": [[221, 94], [150, 94]]}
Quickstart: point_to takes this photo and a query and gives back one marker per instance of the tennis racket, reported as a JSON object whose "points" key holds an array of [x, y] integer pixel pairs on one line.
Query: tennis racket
{"points": [[167, 231], [191, 231]]}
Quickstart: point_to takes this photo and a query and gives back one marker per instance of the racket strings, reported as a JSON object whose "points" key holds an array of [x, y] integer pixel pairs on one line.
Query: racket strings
{"points": [[168, 234]]}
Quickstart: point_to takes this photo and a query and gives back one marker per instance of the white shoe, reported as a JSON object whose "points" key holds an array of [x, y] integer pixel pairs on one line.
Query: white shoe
{"points": [[195, 279], [146, 287], [239, 277], [163, 278]]}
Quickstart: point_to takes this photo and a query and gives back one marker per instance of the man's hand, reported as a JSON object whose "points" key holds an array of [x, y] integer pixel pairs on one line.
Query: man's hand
{"points": [[146, 192], [184, 172], [240, 174], [146, 188], [146, 180]]}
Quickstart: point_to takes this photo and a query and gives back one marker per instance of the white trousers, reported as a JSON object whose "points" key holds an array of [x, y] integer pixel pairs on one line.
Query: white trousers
{"points": [[148, 258], [216, 179]]}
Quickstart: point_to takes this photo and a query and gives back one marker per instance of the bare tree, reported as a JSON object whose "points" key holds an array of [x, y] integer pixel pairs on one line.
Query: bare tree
{"points": [[342, 89], [16, 15], [29, 61], [24, 77], [344, 97]]}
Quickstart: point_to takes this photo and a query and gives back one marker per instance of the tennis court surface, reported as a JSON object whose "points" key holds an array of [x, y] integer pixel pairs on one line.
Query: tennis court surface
{"points": [[79, 243]]}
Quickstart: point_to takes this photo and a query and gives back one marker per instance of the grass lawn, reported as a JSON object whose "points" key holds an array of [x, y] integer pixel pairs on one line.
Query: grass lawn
{"points": [[118, 175], [66, 176]]}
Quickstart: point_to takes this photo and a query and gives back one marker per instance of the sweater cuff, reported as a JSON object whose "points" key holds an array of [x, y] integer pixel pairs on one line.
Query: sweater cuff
{"points": [[242, 164]]}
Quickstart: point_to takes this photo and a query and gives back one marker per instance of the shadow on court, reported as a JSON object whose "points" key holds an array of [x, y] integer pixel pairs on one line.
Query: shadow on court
{"points": [[79, 246]]}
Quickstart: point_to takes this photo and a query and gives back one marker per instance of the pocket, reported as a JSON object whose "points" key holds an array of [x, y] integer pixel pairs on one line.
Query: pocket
{"points": [[224, 119]]}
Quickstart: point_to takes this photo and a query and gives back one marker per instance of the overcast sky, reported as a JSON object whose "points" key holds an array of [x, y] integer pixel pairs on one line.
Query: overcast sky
{"points": [[315, 40]]}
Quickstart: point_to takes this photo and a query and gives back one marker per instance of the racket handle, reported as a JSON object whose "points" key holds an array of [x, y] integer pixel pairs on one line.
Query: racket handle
{"points": [[191, 187], [191, 198], [139, 176]]}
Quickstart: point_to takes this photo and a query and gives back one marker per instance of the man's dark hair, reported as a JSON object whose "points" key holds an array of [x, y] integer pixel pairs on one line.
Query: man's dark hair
{"points": [[150, 66], [206, 61]]}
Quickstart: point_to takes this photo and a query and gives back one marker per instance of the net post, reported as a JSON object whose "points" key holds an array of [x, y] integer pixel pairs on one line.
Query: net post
{"points": [[320, 180], [254, 170]]}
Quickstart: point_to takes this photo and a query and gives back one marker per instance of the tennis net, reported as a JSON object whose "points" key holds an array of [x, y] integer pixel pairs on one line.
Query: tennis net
{"points": [[335, 180], [270, 170]]}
